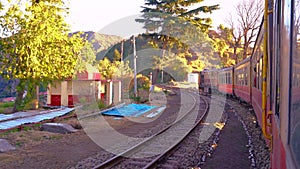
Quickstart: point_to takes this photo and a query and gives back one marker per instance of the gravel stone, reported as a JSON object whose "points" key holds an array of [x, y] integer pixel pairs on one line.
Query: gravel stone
{"points": [[5, 146], [58, 128]]}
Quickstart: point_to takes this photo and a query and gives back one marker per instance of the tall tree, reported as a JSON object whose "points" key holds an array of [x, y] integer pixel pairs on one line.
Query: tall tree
{"points": [[175, 23], [114, 70], [228, 46], [160, 14], [248, 15], [35, 43]]}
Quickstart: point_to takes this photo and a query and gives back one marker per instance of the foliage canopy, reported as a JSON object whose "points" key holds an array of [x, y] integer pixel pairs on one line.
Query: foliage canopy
{"points": [[35, 41]]}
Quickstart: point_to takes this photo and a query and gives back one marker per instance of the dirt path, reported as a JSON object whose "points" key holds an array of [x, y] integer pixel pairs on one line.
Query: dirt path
{"points": [[232, 151], [46, 150], [40, 149]]}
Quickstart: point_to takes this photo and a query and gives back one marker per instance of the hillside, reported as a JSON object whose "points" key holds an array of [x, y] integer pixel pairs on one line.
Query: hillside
{"points": [[99, 41], [7, 87]]}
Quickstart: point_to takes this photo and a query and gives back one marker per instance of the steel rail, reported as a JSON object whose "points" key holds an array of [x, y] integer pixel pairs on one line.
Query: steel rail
{"points": [[116, 159], [154, 162]]}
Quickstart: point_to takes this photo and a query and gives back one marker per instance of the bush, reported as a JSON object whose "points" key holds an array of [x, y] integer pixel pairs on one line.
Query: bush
{"points": [[143, 82], [31, 105], [136, 99], [101, 104], [7, 104]]}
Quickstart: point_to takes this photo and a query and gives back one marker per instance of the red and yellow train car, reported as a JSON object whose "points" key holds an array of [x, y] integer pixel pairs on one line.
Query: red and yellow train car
{"points": [[225, 81], [210, 80], [270, 81], [242, 80]]}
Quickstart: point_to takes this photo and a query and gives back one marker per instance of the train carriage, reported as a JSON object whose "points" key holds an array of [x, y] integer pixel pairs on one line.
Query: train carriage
{"points": [[285, 73], [256, 62], [225, 80], [242, 80], [210, 80], [270, 81]]}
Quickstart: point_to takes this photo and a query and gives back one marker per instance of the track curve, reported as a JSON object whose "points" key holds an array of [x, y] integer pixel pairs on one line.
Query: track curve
{"points": [[162, 143]]}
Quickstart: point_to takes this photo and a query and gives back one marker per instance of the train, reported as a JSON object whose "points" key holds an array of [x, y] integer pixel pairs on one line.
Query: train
{"points": [[269, 80]]}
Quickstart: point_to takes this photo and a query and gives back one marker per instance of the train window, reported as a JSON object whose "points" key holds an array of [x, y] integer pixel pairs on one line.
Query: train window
{"points": [[246, 79], [277, 44], [260, 74], [257, 75], [242, 79], [221, 78], [254, 76], [227, 78], [295, 93]]}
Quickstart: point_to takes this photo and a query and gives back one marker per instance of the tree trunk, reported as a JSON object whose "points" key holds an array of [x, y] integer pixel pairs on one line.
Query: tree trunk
{"points": [[19, 98], [37, 95], [155, 76], [235, 54], [245, 46]]}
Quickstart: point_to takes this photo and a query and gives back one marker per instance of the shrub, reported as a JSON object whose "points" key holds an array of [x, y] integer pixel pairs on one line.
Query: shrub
{"points": [[101, 104], [143, 82], [7, 104]]}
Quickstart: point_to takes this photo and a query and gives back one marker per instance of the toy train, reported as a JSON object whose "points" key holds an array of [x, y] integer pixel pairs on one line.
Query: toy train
{"points": [[269, 80]]}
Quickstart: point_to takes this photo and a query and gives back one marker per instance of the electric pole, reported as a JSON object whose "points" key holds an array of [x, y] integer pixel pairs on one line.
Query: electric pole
{"points": [[134, 67], [123, 65]]}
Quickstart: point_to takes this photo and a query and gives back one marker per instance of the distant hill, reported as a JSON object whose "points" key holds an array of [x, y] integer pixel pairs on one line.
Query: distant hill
{"points": [[100, 42], [7, 87]]}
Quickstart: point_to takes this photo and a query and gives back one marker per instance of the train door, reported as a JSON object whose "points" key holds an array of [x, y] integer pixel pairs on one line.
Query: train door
{"points": [[286, 134], [250, 79], [294, 113]]}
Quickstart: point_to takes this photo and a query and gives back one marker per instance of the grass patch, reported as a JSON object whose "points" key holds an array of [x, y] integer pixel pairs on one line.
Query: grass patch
{"points": [[26, 128], [2, 110], [136, 99], [55, 137], [157, 89], [7, 104], [101, 105], [6, 107], [18, 143]]}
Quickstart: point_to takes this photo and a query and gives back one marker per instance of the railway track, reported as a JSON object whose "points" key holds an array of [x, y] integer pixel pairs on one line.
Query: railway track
{"points": [[150, 152]]}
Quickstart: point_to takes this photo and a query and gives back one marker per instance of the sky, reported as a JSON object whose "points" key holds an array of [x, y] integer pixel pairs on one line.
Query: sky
{"points": [[113, 16]]}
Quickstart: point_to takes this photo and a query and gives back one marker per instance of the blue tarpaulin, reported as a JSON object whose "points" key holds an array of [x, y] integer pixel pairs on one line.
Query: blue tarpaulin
{"points": [[134, 110], [23, 118]]}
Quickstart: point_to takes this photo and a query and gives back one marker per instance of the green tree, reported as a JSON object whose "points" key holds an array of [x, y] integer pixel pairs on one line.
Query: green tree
{"points": [[160, 14], [117, 55], [179, 28], [227, 45], [35, 44], [114, 70], [87, 56], [176, 67]]}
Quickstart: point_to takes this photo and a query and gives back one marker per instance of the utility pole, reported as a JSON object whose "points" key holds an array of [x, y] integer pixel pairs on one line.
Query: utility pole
{"points": [[122, 50], [134, 67], [162, 57], [122, 64]]}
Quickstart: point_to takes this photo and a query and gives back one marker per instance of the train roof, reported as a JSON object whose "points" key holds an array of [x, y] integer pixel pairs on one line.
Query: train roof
{"points": [[243, 62], [226, 69], [259, 36], [209, 70]]}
